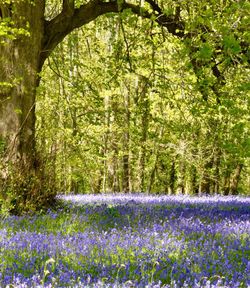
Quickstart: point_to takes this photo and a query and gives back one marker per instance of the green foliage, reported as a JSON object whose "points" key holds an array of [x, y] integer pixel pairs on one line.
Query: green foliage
{"points": [[8, 31], [25, 192], [231, 45], [2, 146], [116, 88], [205, 52]]}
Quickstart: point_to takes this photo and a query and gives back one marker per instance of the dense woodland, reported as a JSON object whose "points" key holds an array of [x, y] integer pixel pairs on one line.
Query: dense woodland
{"points": [[153, 96]]}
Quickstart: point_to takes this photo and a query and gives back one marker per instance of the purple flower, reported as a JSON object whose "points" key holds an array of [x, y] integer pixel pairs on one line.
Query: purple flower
{"points": [[119, 240]]}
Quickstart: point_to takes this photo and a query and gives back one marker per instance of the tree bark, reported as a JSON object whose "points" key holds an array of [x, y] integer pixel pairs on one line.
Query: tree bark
{"points": [[126, 143], [235, 179], [181, 177], [194, 181], [172, 177], [19, 77], [205, 184], [145, 110], [20, 65]]}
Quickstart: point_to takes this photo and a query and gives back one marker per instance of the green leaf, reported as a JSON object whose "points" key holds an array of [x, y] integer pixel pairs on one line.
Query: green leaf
{"points": [[231, 45], [18, 111], [205, 52]]}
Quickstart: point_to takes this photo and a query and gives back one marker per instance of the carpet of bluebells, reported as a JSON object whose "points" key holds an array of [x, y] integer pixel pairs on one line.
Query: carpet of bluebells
{"points": [[132, 240]]}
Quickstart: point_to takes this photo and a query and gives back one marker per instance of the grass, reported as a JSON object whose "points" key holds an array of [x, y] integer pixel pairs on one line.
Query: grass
{"points": [[132, 240]]}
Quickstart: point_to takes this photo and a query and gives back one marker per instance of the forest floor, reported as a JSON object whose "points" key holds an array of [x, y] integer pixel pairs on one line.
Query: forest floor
{"points": [[129, 240]]}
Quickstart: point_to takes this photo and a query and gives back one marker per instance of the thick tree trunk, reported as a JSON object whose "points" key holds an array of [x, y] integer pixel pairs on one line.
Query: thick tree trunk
{"points": [[20, 65], [19, 68]]}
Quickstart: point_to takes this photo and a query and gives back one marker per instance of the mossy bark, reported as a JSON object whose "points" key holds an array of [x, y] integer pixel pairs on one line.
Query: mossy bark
{"points": [[19, 76], [20, 65]]}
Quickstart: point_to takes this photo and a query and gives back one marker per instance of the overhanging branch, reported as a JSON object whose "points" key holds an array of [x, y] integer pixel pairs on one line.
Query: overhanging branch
{"points": [[68, 7], [71, 18]]}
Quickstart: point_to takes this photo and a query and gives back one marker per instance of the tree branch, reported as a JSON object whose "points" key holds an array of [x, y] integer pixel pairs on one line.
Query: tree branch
{"points": [[172, 23], [68, 7], [71, 18], [155, 6]]}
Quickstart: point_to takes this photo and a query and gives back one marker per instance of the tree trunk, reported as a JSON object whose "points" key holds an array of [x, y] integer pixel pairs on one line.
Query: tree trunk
{"points": [[172, 177], [235, 179], [217, 160], [142, 91], [114, 170], [181, 177], [126, 142], [205, 185], [106, 140], [20, 65], [194, 180], [152, 174], [226, 184]]}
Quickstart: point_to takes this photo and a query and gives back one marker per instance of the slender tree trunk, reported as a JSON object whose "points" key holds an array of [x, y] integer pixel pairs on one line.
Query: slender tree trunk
{"points": [[145, 109], [156, 152], [235, 179], [126, 177], [73, 43], [114, 170], [126, 143], [216, 180], [205, 185], [194, 182], [164, 177], [172, 177], [114, 165], [106, 137], [152, 174], [125, 90], [226, 184], [181, 177], [142, 167]]}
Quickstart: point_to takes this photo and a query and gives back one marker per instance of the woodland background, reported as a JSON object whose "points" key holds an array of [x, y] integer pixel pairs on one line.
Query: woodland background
{"points": [[120, 107]]}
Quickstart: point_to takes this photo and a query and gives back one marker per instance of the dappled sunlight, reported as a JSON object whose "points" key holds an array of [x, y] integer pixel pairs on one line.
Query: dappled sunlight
{"points": [[116, 198]]}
